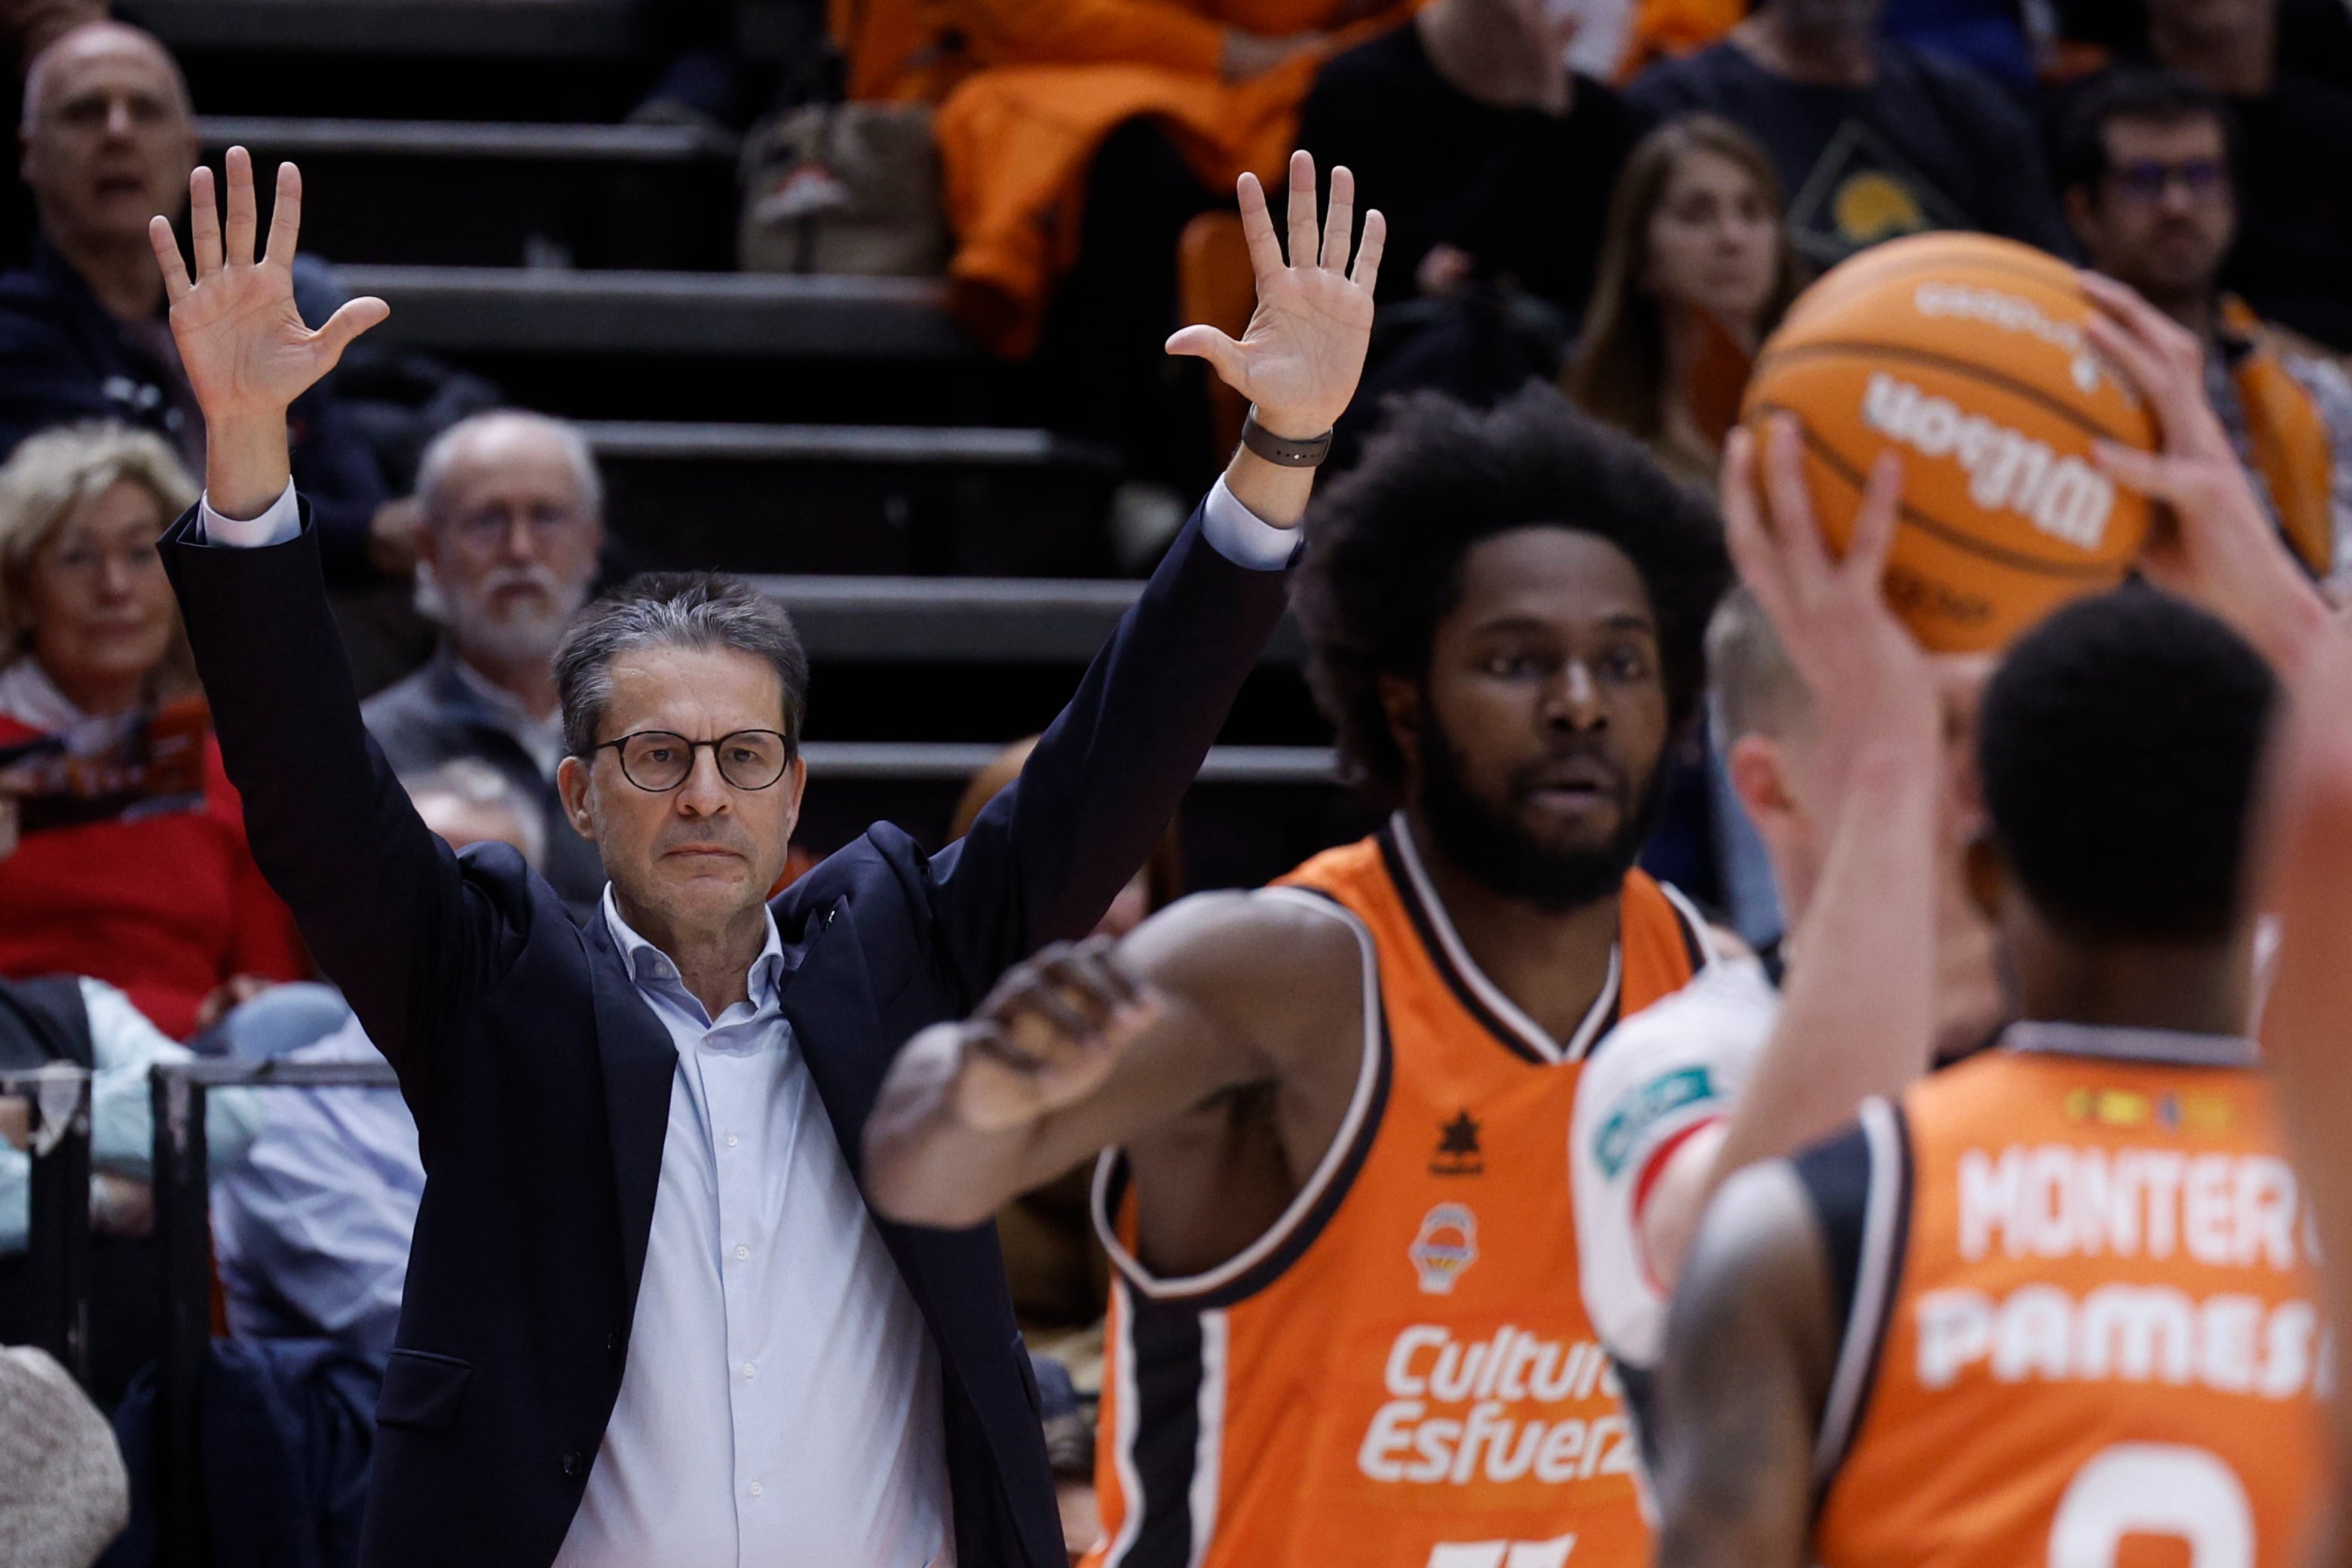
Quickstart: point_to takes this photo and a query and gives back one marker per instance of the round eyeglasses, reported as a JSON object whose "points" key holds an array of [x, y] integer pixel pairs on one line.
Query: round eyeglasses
{"points": [[658, 761]]}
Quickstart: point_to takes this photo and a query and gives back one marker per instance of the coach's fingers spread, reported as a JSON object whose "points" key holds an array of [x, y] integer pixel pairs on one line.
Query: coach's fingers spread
{"points": [[1303, 226], [203, 223], [1366, 273], [1258, 229], [176, 283], [1339, 220]]}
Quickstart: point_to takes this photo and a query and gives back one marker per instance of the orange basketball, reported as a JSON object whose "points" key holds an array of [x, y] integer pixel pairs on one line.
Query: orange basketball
{"points": [[1965, 354]]}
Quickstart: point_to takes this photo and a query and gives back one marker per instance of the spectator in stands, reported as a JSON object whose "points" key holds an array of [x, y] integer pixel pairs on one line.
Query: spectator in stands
{"points": [[312, 1226], [1070, 1450], [1873, 139], [1695, 272], [2294, 232], [1082, 138], [109, 139], [1449, 121], [514, 512], [63, 1495], [91, 1022], [161, 898], [2147, 163]]}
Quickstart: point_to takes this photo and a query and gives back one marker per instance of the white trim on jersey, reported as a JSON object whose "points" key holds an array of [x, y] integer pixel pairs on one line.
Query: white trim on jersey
{"points": [[1873, 1287], [1209, 1451], [1351, 1126], [2170, 1048], [1702, 930], [1123, 1399], [1490, 996]]}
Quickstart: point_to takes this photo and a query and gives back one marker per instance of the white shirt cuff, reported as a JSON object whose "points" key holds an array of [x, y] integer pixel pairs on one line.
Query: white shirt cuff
{"points": [[1240, 536], [281, 522]]}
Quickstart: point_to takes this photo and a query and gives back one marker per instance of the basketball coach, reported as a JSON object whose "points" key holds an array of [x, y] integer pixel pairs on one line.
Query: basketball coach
{"points": [[650, 1320]]}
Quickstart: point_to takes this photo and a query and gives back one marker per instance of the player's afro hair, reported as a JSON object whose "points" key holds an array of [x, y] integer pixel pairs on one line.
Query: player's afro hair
{"points": [[2119, 744], [1385, 544]]}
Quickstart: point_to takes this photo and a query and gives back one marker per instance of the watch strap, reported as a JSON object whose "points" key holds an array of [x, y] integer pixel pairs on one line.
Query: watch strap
{"points": [[1282, 451]]}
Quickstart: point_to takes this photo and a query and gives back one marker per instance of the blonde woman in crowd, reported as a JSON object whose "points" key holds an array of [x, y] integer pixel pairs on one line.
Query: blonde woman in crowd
{"points": [[119, 872]]}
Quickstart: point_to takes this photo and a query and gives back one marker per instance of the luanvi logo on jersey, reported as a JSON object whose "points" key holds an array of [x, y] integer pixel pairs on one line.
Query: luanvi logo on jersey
{"points": [[1446, 1244], [2008, 471], [1458, 1154]]}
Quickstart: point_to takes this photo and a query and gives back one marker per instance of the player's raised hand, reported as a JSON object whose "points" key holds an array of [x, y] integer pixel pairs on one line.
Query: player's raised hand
{"points": [[1303, 352], [1048, 1035], [1867, 673], [244, 347], [2213, 542]]}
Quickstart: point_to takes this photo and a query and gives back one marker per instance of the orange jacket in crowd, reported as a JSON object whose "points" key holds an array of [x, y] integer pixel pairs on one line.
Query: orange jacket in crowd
{"points": [[1028, 90]]}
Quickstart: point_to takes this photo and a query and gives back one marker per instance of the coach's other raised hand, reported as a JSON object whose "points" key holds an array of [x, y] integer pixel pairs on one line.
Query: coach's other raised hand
{"points": [[246, 352], [1300, 357]]}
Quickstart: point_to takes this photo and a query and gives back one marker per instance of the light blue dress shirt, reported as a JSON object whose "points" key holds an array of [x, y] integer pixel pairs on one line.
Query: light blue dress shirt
{"points": [[123, 1046], [312, 1226], [781, 1400]]}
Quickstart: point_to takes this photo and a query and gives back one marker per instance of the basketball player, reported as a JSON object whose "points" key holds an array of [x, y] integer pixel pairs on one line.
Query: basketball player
{"points": [[2058, 1294], [1824, 697], [1345, 1326], [1849, 748]]}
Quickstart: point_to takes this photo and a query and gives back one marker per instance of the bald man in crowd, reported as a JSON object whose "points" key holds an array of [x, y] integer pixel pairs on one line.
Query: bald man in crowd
{"points": [[513, 517], [108, 139]]}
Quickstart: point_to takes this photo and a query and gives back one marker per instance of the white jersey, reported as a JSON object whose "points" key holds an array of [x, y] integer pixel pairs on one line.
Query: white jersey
{"points": [[1676, 1066]]}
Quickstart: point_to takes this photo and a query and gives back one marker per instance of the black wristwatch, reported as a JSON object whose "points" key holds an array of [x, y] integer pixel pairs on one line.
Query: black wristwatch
{"points": [[1281, 450]]}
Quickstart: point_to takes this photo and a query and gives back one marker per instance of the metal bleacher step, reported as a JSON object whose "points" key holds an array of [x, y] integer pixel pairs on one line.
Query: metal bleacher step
{"points": [[499, 193], [934, 761], [509, 29], [922, 620], [548, 311], [892, 501]]}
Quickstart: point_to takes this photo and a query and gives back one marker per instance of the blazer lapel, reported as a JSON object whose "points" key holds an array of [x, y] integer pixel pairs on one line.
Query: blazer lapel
{"points": [[639, 1065], [828, 999]]}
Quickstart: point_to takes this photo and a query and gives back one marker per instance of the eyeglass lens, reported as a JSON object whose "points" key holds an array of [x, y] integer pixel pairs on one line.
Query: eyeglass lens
{"points": [[747, 759]]}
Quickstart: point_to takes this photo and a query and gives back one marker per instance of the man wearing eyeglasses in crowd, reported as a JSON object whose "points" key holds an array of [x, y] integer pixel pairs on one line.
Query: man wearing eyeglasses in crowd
{"points": [[648, 1317], [2146, 159], [512, 511]]}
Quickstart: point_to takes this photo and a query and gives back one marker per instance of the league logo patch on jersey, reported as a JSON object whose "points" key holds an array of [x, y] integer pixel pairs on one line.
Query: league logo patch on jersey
{"points": [[1447, 1243], [1458, 1154], [1643, 1107]]}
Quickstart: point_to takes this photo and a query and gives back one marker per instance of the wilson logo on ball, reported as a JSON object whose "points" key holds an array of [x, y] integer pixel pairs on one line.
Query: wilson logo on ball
{"points": [[2064, 497]]}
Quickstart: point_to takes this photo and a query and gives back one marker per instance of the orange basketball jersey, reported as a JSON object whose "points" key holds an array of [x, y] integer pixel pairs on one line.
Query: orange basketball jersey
{"points": [[1400, 1372], [2084, 1328]]}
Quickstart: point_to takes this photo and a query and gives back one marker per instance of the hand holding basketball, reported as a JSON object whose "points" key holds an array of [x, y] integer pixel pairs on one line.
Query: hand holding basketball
{"points": [[2211, 541], [1868, 676]]}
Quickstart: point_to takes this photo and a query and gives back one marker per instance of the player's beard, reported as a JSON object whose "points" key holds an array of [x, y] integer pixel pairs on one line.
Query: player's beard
{"points": [[1487, 842]]}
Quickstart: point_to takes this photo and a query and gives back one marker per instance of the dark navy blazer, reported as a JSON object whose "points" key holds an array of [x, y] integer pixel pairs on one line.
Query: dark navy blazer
{"points": [[541, 1082]]}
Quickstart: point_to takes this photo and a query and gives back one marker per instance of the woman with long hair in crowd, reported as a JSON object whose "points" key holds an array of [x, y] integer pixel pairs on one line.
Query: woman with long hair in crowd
{"points": [[106, 868], [1695, 270]]}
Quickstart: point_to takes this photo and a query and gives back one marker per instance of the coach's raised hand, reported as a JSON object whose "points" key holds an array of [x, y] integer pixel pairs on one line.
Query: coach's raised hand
{"points": [[1299, 359], [246, 349]]}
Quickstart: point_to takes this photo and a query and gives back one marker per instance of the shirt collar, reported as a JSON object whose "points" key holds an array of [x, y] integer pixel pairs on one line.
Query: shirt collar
{"points": [[2171, 1048], [649, 965]]}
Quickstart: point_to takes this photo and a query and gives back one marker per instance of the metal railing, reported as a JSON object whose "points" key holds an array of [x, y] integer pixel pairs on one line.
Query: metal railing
{"points": [[184, 1235], [57, 1105]]}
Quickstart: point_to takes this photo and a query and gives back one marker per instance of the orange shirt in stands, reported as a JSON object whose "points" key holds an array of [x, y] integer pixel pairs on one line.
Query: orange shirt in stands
{"points": [[1402, 1370]]}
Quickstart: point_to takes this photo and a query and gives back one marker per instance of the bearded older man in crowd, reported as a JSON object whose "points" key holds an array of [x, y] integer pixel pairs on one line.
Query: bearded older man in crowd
{"points": [[513, 517]]}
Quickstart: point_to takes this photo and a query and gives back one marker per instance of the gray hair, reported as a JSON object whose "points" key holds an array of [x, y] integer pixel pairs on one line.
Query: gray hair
{"points": [[707, 611], [441, 454], [54, 474], [475, 782], [1753, 688]]}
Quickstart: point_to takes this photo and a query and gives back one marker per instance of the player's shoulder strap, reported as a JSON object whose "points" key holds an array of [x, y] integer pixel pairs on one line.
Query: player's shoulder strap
{"points": [[1859, 1184], [1318, 1197]]}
